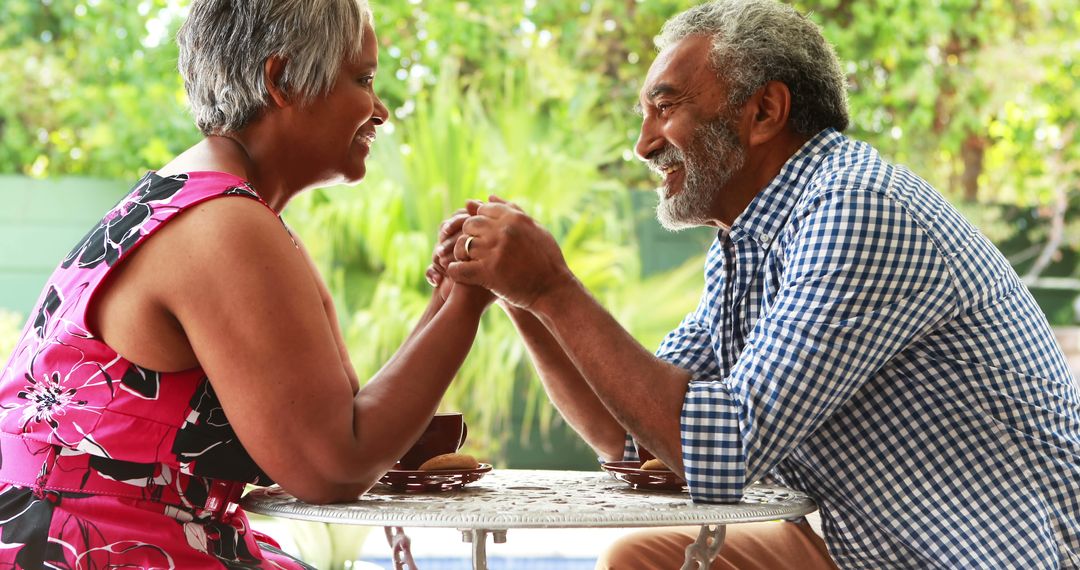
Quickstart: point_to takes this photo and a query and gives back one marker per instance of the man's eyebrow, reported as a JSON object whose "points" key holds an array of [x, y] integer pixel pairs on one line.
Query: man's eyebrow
{"points": [[661, 89]]}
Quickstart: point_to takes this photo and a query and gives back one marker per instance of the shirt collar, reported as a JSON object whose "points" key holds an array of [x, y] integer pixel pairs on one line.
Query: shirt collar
{"points": [[768, 211]]}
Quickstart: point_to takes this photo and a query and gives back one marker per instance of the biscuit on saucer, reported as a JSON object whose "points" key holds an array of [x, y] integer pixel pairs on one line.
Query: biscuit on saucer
{"points": [[448, 461], [655, 465]]}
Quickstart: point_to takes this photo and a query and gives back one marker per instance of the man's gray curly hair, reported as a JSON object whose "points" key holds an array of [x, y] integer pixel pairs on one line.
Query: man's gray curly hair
{"points": [[757, 41], [224, 45]]}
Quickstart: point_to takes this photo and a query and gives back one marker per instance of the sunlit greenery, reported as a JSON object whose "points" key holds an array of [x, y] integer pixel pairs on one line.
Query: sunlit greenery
{"points": [[531, 100]]}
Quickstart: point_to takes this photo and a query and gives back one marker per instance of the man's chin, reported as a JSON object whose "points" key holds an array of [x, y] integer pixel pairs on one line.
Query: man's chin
{"points": [[669, 219]]}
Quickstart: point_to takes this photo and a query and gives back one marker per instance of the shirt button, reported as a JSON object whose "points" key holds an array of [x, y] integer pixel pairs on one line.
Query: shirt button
{"points": [[764, 239]]}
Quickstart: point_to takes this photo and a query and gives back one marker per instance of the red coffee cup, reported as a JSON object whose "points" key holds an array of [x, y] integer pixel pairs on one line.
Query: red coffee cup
{"points": [[445, 433], [644, 454]]}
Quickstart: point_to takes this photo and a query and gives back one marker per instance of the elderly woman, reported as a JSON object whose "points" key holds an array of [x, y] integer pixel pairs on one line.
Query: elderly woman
{"points": [[188, 346]]}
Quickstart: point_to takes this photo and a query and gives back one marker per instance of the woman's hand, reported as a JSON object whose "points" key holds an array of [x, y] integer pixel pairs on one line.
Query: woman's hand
{"points": [[449, 232], [510, 254], [444, 250]]}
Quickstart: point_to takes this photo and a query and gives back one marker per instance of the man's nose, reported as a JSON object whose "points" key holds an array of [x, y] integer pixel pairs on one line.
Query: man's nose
{"points": [[649, 141]]}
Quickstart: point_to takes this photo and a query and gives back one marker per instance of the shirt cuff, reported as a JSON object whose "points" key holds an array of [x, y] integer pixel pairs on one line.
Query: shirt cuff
{"points": [[712, 444], [630, 452]]}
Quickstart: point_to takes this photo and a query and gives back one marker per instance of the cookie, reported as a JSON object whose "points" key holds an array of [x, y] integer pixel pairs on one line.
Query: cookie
{"points": [[655, 465], [449, 461]]}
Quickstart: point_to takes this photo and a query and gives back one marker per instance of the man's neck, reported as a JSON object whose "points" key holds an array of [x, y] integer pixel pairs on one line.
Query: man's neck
{"points": [[762, 165]]}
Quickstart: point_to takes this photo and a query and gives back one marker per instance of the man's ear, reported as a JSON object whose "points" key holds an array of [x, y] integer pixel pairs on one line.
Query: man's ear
{"points": [[273, 69], [771, 106]]}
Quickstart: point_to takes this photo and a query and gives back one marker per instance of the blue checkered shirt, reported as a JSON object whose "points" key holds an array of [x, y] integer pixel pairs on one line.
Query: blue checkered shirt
{"points": [[860, 341]]}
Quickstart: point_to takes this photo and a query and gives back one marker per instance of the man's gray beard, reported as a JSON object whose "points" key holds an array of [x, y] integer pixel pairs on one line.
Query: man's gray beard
{"points": [[712, 157]]}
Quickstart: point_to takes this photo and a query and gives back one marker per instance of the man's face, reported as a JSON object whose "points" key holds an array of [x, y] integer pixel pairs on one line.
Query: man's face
{"points": [[712, 155], [688, 134]]}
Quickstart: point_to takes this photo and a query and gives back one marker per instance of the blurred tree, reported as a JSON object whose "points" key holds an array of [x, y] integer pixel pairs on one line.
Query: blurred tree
{"points": [[90, 87], [531, 100], [980, 96]]}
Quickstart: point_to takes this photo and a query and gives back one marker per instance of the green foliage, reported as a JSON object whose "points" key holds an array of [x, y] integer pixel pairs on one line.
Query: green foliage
{"points": [[376, 239], [10, 328], [531, 100], [90, 87]]}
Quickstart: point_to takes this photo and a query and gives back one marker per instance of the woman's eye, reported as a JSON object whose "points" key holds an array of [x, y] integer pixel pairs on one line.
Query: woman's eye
{"points": [[366, 80]]}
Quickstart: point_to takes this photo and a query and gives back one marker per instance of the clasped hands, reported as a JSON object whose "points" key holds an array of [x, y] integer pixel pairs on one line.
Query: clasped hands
{"points": [[495, 246]]}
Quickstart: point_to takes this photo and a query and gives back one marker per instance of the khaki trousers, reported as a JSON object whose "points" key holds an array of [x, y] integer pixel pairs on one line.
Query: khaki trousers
{"points": [[775, 545]]}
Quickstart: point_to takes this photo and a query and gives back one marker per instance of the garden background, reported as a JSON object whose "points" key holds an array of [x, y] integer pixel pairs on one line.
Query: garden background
{"points": [[532, 100]]}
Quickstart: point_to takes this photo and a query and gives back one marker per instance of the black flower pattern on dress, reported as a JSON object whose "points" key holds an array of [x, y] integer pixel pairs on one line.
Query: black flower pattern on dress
{"points": [[209, 445], [118, 470], [47, 398], [48, 307], [225, 543], [122, 227], [142, 381], [25, 519], [243, 190]]}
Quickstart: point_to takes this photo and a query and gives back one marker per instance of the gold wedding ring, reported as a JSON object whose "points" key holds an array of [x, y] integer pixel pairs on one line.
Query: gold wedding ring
{"points": [[468, 242]]}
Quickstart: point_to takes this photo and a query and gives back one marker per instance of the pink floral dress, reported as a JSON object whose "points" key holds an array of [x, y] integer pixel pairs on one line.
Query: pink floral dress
{"points": [[104, 464]]}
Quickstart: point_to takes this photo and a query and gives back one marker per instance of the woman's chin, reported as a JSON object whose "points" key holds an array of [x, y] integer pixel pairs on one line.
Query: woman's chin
{"points": [[353, 176]]}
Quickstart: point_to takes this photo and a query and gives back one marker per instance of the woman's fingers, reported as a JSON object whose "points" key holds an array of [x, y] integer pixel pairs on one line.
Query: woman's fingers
{"points": [[452, 225], [433, 276]]}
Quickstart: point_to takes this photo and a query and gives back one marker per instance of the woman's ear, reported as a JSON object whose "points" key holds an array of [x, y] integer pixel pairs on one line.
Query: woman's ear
{"points": [[771, 109], [273, 69]]}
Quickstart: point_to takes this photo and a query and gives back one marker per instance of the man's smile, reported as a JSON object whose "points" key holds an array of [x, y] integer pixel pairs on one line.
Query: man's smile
{"points": [[673, 176], [666, 171]]}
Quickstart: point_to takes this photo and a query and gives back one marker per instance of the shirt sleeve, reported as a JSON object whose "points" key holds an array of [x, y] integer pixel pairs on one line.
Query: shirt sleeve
{"points": [[862, 281], [689, 347]]}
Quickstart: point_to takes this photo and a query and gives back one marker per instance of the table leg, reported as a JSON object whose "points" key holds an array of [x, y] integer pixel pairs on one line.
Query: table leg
{"points": [[400, 548], [478, 538], [703, 551]]}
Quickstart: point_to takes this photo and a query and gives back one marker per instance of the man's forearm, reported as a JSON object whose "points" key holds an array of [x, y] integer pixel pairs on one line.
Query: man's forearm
{"points": [[567, 389], [642, 392]]}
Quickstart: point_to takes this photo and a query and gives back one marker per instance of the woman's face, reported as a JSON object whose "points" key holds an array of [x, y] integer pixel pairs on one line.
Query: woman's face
{"points": [[339, 128]]}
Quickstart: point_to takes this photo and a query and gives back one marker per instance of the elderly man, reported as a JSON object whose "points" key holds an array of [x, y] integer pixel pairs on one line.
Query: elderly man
{"points": [[857, 339]]}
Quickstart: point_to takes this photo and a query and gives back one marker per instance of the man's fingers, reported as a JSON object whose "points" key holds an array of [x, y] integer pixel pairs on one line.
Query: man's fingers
{"points": [[498, 200], [468, 272], [467, 247], [476, 225], [472, 205], [493, 210]]}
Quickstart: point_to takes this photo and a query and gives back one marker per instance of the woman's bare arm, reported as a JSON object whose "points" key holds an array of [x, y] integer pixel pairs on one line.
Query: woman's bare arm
{"points": [[256, 320], [331, 316]]}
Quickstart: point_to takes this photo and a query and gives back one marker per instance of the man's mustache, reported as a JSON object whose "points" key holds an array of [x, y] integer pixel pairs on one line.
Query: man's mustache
{"points": [[670, 155]]}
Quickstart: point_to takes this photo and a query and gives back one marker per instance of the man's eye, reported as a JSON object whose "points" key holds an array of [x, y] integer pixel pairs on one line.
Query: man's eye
{"points": [[662, 107], [366, 80]]}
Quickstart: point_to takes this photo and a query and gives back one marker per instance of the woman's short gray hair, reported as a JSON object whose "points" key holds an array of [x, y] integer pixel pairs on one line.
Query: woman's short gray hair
{"points": [[224, 45], [757, 41]]}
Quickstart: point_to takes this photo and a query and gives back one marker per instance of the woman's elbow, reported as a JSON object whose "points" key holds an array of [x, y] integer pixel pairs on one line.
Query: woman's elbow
{"points": [[322, 483], [326, 492]]}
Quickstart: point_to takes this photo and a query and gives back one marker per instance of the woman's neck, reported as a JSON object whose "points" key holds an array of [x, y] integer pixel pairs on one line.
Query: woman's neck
{"points": [[230, 154]]}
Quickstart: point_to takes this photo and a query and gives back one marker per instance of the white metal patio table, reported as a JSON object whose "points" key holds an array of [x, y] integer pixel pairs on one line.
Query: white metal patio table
{"points": [[508, 498]]}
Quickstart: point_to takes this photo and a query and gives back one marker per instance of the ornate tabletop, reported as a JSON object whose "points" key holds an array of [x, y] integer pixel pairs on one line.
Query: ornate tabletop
{"points": [[508, 498]]}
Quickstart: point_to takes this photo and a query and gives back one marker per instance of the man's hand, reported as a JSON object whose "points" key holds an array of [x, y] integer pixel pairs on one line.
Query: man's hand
{"points": [[502, 249], [436, 275]]}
